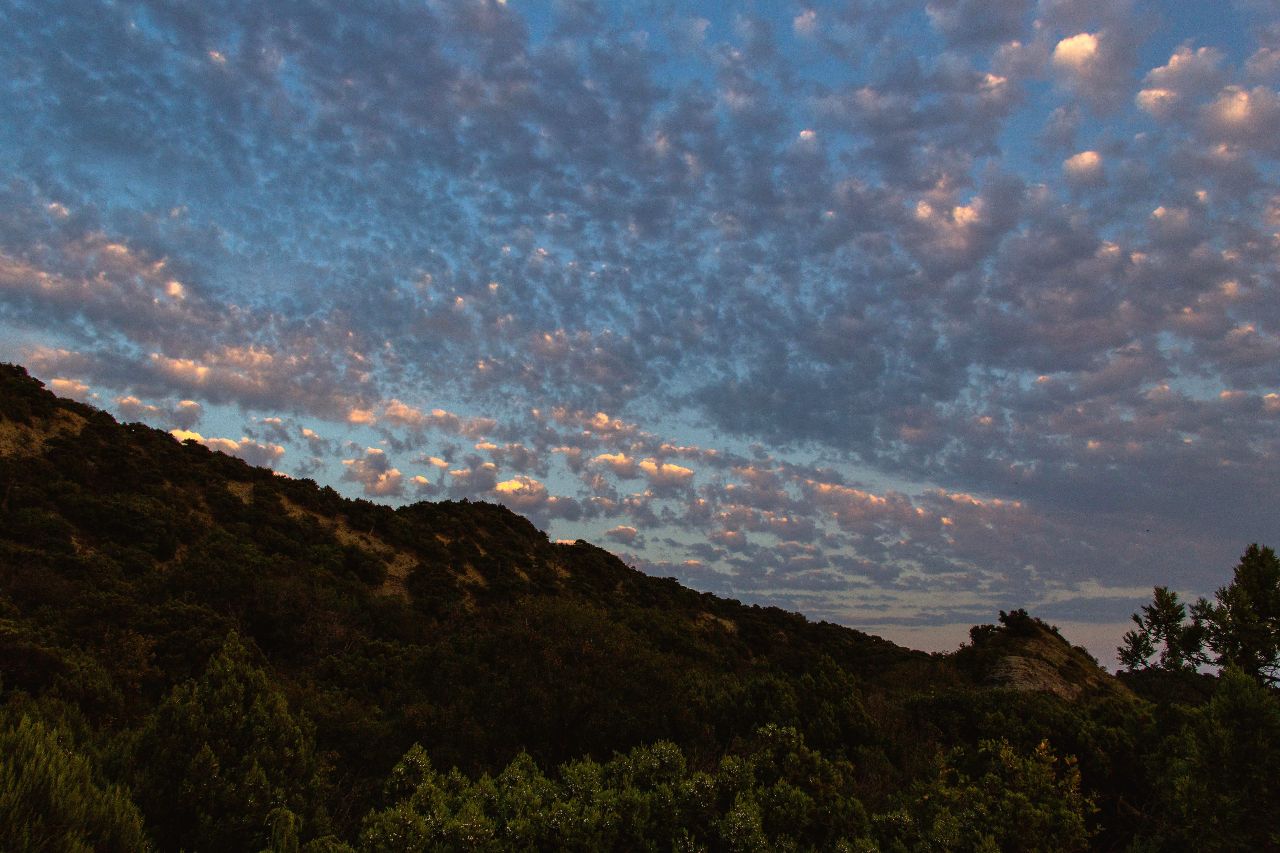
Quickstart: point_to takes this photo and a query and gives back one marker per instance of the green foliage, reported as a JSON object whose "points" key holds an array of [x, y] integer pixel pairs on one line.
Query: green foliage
{"points": [[1218, 787], [994, 798], [221, 756], [775, 795], [50, 798]]}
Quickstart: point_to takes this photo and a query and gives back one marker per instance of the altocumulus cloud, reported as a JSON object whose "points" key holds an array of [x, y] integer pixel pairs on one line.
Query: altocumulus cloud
{"points": [[895, 312]]}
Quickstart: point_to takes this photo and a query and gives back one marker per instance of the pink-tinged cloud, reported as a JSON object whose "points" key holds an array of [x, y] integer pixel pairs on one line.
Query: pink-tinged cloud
{"points": [[619, 463], [598, 423], [521, 492], [465, 482], [70, 388], [403, 414], [622, 533], [1077, 53], [1188, 78], [186, 413], [134, 409], [374, 473], [1084, 167], [661, 473], [263, 455]]}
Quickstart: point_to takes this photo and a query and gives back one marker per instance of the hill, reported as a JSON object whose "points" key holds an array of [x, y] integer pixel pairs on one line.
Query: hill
{"points": [[240, 658]]}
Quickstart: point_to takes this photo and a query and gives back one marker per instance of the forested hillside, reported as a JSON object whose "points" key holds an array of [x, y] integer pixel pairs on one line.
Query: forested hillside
{"points": [[197, 654]]}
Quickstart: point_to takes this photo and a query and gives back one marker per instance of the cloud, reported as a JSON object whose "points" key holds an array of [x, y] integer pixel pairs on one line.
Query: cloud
{"points": [[424, 487], [70, 388], [805, 23], [765, 290], [374, 473], [1245, 116], [622, 533], [521, 491], [1264, 65], [318, 444], [1097, 66], [134, 409], [478, 478], [1186, 79], [186, 413], [1077, 53], [621, 464], [664, 474], [1084, 167], [531, 498], [405, 415], [597, 424], [253, 452], [970, 22]]}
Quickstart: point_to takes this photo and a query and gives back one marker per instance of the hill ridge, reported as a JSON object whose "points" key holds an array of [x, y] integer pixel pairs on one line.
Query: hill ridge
{"points": [[128, 559]]}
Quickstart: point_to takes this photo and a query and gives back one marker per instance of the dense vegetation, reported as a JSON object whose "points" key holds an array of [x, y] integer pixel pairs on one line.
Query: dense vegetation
{"points": [[200, 655]]}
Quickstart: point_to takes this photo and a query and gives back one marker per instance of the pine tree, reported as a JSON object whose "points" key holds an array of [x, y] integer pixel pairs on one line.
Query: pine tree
{"points": [[1243, 622], [1240, 628], [220, 755], [50, 801], [1218, 788], [1163, 628]]}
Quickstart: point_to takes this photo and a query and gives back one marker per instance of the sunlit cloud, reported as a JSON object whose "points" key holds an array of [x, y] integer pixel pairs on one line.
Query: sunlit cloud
{"points": [[1077, 53], [251, 451], [374, 473], [1084, 167]]}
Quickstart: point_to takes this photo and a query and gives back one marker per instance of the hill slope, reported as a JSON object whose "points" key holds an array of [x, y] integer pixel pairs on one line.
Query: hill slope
{"points": [[128, 560]]}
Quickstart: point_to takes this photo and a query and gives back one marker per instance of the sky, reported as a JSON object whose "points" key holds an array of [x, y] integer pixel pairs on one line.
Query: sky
{"points": [[897, 314]]}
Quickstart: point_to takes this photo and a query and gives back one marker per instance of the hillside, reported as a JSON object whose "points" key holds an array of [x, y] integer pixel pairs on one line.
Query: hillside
{"points": [[146, 583]]}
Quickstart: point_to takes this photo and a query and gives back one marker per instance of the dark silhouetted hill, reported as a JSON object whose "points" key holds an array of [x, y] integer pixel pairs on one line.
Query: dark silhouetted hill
{"points": [[147, 583]]}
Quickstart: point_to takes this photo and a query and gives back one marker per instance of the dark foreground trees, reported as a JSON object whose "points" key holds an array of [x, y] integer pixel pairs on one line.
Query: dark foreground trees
{"points": [[221, 754], [1218, 788], [774, 793], [1214, 783]]}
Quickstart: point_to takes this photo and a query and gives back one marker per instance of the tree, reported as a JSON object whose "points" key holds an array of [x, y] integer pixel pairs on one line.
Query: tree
{"points": [[1243, 623], [993, 799], [1217, 788], [1163, 628], [220, 757], [776, 794], [1239, 628], [49, 799]]}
